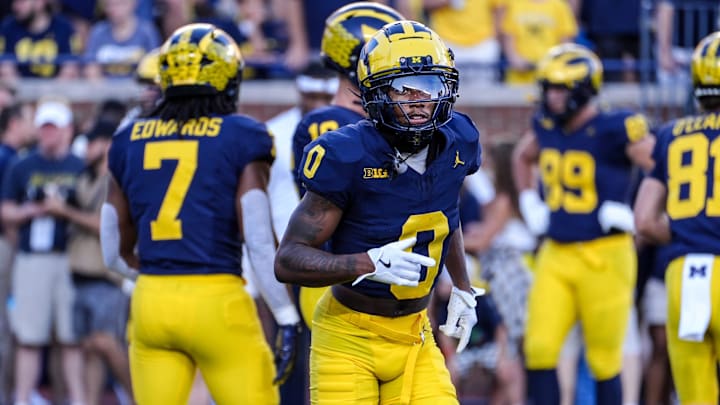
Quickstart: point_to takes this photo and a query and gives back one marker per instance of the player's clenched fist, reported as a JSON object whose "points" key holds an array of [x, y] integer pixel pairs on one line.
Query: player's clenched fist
{"points": [[393, 265]]}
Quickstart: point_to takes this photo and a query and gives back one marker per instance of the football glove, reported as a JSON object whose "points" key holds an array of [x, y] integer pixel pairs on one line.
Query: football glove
{"points": [[534, 212], [461, 316], [393, 265], [285, 351], [616, 215]]}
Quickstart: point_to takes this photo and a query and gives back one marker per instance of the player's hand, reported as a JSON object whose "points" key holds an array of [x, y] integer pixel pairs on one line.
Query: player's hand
{"points": [[534, 212], [461, 316], [285, 351], [616, 215], [393, 265]]}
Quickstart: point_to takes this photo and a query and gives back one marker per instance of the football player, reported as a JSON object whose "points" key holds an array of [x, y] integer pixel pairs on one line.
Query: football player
{"points": [[186, 181], [678, 205], [385, 192], [346, 31], [586, 268]]}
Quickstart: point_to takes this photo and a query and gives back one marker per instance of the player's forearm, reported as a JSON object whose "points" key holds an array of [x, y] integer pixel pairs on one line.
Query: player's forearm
{"points": [[651, 220], [523, 161], [665, 12], [16, 214], [455, 262], [88, 220], [305, 265]]}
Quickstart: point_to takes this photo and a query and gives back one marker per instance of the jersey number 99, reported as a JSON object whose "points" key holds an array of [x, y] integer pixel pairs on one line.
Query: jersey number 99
{"points": [[569, 180]]}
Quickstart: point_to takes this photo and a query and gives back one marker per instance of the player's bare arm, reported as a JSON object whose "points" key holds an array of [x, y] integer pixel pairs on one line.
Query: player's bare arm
{"points": [[640, 152], [651, 220], [299, 259], [455, 262], [128, 233], [524, 158]]}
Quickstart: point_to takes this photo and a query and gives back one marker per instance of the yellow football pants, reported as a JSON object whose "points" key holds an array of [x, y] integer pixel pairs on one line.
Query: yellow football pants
{"points": [[357, 358], [308, 299], [208, 321], [693, 363], [587, 281]]}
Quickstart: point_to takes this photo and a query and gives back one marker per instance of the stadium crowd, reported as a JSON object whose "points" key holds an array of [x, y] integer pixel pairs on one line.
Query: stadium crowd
{"points": [[64, 330]]}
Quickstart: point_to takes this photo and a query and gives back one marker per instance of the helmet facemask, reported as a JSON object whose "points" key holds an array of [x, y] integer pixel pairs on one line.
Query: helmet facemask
{"points": [[409, 108], [579, 94]]}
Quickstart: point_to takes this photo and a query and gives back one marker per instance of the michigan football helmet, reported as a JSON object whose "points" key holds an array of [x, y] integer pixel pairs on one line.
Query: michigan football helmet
{"points": [[402, 67], [200, 59], [574, 67], [347, 30], [706, 67], [148, 69]]}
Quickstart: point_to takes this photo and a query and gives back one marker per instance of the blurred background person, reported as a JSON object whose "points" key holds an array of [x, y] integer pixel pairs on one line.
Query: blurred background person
{"points": [[613, 28], [530, 28], [680, 24], [116, 45], [16, 132], [471, 29], [42, 291], [101, 296], [35, 41]]}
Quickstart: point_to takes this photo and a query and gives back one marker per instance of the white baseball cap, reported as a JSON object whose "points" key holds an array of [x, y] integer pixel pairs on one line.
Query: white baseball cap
{"points": [[53, 112]]}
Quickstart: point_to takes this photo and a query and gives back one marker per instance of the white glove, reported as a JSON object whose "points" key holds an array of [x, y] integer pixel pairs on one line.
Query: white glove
{"points": [[461, 316], [127, 286], [534, 212], [616, 215], [393, 265]]}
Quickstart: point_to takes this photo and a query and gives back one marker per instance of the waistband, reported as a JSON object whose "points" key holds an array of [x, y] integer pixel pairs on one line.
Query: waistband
{"points": [[378, 306]]}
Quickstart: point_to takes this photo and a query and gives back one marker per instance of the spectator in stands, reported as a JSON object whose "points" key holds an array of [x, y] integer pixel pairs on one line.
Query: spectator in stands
{"points": [[7, 94], [42, 290], [680, 25], [530, 28], [148, 77], [306, 23], [470, 28], [116, 45], [613, 27], [37, 42], [489, 366], [101, 305], [653, 305], [500, 240], [16, 131]]}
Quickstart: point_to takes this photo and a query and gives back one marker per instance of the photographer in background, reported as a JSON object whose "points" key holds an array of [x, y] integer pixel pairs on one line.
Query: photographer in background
{"points": [[42, 291]]}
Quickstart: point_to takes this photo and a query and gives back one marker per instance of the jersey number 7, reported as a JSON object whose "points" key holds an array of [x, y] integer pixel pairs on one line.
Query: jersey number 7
{"points": [[167, 225]]}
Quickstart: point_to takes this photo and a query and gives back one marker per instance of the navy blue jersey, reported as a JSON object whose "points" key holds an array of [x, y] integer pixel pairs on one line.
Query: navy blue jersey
{"points": [[687, 161], [181, 185], [582, 169], [351, 168], [30, 179], [37, 53], [314, 124]]}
